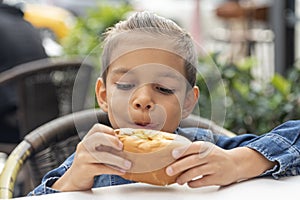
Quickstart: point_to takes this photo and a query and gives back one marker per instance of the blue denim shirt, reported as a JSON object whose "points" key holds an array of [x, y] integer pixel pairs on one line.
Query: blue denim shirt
{"points": [[282, 144]]}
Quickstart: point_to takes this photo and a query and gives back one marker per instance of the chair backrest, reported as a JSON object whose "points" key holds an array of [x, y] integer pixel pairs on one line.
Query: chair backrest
{"points": [[44, 88], [46, 147]]}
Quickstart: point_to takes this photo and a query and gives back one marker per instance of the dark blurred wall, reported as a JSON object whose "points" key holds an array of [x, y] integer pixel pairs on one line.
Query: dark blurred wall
{"points": [[20, 42], [282, 21]]}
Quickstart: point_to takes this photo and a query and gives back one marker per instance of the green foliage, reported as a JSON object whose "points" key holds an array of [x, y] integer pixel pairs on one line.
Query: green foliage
{"points": [[86, 37], [251, 106]]}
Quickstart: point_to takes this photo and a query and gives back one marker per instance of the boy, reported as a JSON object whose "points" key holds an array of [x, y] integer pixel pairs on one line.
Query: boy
{"points": [[148, 81]]}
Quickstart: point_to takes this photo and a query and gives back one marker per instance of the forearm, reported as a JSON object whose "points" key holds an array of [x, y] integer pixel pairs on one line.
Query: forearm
{"points": [[281, 144], [250, 163]]}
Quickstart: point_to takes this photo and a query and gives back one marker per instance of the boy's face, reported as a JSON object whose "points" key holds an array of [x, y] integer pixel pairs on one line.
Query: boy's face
{"points": [[146, 89]]}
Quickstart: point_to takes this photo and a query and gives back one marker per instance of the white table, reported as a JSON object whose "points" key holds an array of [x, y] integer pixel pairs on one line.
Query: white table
{"points": [[255, 189]]}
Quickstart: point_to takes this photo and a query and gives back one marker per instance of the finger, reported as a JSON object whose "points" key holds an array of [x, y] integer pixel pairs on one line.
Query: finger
{"points": [[82, 157], [204, 181], [194, 174], [99, 169], [89, 152], [185, 164], [111, 159], [100, 128], [97, 140], [201, 148]]}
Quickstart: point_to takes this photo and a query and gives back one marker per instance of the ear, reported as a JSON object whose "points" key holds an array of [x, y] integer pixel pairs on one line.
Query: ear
{"points": [[101, 94], [190, 101]]}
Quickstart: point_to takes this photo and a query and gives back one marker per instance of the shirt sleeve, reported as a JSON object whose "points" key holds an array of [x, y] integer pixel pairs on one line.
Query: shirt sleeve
{"points": [[281, 144], [50, 178]]}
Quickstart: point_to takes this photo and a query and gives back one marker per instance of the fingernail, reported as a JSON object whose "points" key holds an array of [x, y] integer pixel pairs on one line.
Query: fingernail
{"points": [[122, 171], [120, 145], [178, 152], [175, 154], [127, 164], [179, 182], [169, 171]]}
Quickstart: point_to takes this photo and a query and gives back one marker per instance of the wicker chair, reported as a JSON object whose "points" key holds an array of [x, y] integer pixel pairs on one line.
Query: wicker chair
{"points": [[44, 88], [49, 145]]}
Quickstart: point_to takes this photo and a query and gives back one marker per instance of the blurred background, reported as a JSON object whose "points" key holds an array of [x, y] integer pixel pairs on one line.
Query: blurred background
{"points": [[254, 44]]}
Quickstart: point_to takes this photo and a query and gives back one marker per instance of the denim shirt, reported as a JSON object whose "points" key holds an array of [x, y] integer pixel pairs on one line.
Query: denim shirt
{"points": [[282, 144]]}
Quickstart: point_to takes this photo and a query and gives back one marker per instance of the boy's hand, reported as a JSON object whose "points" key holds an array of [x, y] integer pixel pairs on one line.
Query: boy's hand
{"points": [[204, 164], [98, 153]]}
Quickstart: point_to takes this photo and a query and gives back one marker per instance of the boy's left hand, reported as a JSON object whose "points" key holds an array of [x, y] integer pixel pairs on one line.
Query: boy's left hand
{"points": [[204, 164]]}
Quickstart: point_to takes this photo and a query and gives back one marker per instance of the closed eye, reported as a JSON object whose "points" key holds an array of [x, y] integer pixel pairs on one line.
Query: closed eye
{"points": [[164, 90], [124, 86]]}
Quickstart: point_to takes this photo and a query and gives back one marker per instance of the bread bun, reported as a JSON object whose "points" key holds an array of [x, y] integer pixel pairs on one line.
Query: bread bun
{"points": [[150, 152]]}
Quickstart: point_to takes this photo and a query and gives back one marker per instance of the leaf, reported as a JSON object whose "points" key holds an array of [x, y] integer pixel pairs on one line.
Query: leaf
{"points": [[242, 88], [281, 84], [246, 64]]}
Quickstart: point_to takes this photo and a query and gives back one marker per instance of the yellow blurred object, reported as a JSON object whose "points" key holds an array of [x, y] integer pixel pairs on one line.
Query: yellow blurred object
{"points": [[58, 20]]}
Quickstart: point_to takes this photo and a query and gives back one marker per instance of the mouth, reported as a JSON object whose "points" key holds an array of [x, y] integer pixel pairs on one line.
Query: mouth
{"points": [[145, 125]]}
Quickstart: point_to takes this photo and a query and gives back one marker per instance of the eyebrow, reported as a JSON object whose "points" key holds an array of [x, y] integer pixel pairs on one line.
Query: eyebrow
{"points": [[120, 71], [123, 70], [171, 75]]}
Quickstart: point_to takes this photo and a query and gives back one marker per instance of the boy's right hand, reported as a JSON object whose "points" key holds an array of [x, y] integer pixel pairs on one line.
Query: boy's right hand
{"points": [[98, 153]]}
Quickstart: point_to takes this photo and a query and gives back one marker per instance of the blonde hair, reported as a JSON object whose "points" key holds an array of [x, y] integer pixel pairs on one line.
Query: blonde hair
{"points": [[160, 32]]}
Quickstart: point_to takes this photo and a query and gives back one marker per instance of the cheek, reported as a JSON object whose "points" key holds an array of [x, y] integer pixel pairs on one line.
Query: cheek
{"points": [[173, 109], [118, 104], [172, 121], [117, 98], [178, 101], [174, 112]]}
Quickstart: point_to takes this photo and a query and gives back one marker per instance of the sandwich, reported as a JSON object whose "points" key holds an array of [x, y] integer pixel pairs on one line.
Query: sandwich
{"points": [[150, 152]]}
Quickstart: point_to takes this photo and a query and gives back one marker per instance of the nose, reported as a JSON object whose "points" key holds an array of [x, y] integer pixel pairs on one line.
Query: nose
{"points": [[142, 99]]}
